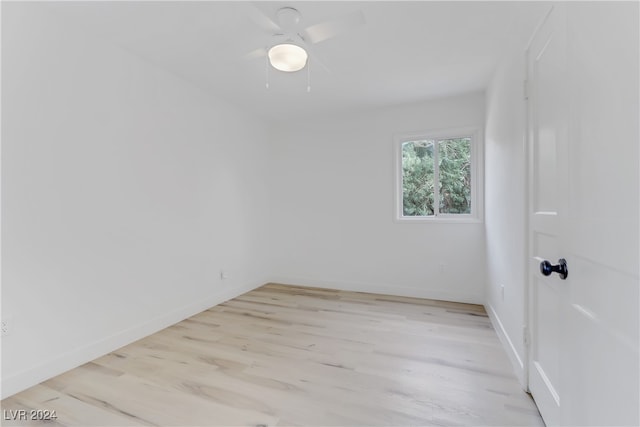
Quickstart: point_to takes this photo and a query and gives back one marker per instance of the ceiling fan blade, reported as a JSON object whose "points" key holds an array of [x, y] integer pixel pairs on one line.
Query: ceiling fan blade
{"points": [[260, 16], [313, 57], [326, 30], [255, 54]]}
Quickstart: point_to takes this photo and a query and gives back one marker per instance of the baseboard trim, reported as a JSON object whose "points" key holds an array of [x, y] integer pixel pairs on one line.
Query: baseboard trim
{"points": [[382, 289], [507, 344], [20, 381]]}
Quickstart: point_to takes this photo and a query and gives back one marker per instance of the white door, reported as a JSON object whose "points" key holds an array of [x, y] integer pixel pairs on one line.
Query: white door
{"points": [[583, 183]]}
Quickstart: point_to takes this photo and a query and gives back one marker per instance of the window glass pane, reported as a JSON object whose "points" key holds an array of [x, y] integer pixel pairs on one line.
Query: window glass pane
{"points": [[454, 161], [417, 178]]}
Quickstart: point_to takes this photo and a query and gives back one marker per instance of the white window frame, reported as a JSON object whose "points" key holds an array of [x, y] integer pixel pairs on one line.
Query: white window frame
{"points": [[477, 174]]}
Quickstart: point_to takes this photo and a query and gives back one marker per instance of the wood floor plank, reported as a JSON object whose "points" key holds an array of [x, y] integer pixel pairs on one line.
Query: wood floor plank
{"points": [[288, 355]]}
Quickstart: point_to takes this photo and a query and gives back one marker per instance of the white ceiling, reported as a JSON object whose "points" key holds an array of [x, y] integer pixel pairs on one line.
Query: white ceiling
{"points": [[405, 52]]}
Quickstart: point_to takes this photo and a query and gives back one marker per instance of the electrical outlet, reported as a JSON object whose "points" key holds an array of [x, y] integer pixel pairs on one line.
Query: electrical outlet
{"points": [[224, 275], [442, 267], [5, 325]]}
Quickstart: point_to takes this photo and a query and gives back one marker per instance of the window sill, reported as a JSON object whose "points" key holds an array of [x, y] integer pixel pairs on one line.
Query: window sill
{"points": [[438, 220]]}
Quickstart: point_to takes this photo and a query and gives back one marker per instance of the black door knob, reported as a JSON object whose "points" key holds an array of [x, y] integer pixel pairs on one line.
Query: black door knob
{"points": [[546, 268]]}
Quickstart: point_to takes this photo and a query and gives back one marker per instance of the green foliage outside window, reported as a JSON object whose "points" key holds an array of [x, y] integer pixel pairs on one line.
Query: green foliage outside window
{"points": [[418, 174]]}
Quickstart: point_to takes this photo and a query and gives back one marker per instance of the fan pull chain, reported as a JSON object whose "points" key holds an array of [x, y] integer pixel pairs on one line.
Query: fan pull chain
{"points": [[308, 76], [266, 71]]}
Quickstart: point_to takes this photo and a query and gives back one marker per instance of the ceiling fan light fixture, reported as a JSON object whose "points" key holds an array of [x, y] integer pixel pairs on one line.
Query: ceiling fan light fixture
{"points": [[288, 57]]}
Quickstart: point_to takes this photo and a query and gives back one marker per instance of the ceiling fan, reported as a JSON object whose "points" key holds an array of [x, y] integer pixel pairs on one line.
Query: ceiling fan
{"points": [[290, 46]]}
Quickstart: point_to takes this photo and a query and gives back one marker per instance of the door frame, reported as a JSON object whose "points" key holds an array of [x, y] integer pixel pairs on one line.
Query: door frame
{"points": [[527, 335]]}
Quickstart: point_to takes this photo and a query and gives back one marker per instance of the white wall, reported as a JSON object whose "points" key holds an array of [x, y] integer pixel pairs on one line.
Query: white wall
{"points": [[125, 191], [505, 205], [332, 207]]}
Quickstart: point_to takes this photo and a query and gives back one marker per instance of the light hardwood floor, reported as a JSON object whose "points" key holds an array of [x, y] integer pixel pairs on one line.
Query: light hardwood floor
{"points": [[283, 355]]}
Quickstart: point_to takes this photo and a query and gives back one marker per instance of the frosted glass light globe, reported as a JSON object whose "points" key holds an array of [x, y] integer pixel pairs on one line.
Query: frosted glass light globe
{"points": [[288, 57]]}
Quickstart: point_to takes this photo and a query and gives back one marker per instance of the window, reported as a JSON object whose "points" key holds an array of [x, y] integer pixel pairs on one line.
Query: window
{"points": [[438, 176]]}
